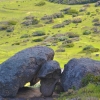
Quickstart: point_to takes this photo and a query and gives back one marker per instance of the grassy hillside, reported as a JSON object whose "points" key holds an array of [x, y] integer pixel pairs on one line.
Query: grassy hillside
{"points": [[72, 31], [90, 92]]}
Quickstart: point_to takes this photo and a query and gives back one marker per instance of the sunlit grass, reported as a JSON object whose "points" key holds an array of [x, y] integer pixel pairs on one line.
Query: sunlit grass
{"points": [[18, 9]]}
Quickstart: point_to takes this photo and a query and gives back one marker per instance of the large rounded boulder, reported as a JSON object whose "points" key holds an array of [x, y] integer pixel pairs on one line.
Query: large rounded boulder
{"points": [[49, 74], [76, 69], [23, 67]]}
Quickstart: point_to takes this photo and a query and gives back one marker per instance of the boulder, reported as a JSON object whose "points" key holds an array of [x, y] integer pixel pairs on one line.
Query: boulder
{"points": [[49, 74], [97, 4], [23, 67], [76, 69]]}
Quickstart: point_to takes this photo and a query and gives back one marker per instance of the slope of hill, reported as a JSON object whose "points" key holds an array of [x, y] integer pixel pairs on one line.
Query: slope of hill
{"points": [[72, 31]]}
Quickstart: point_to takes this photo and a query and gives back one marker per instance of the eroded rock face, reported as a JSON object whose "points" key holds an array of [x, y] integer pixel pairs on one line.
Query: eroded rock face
{"points": [[49, 74], [76, 69], [22, 68]]}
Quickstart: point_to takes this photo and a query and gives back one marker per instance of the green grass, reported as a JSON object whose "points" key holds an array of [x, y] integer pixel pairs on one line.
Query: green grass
{"points": [[17, 10], [91, 92]]}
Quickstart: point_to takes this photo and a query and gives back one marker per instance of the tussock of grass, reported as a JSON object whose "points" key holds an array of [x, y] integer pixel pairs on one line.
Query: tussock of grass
{"points": [[90, 92]]}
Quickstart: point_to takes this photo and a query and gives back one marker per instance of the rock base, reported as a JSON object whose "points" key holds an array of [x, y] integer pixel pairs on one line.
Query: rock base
{"points": [[27, 93]]}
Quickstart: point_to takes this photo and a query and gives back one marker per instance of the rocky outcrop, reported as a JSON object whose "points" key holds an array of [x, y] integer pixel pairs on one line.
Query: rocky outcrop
{"points": [[49, 74], [97, 4], [36, 64], [23, 67], [76, 69]]}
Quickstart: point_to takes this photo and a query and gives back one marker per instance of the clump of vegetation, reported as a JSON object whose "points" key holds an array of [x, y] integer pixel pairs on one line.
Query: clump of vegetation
{"points": [[95, 30], [67, 45], [91, 92], [67, 22], [58, 26], [3, 27], [17, 43], [67, 41], [86, 32], [47, 17], [62, 38], [72, 35], [57, 15], [53, 16], [29, 17], [38, 33], [31, 22], [25, 36], [27, 22], [77, 20], [35, 21], [10, 29], [12, 22], [95, 20], [97, 23], [90, 78], [82, 9], [65, 9], [37, 40], [74, 15], [41, 3], [71, 12], [49, 21], [88, 13], [90, 49], [60, 50]]}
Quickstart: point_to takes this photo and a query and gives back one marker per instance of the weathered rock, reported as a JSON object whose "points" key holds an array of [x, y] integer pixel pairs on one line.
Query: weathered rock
{"points": [[49, 74], [97, 4], [22, 68], [76, 69]]}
